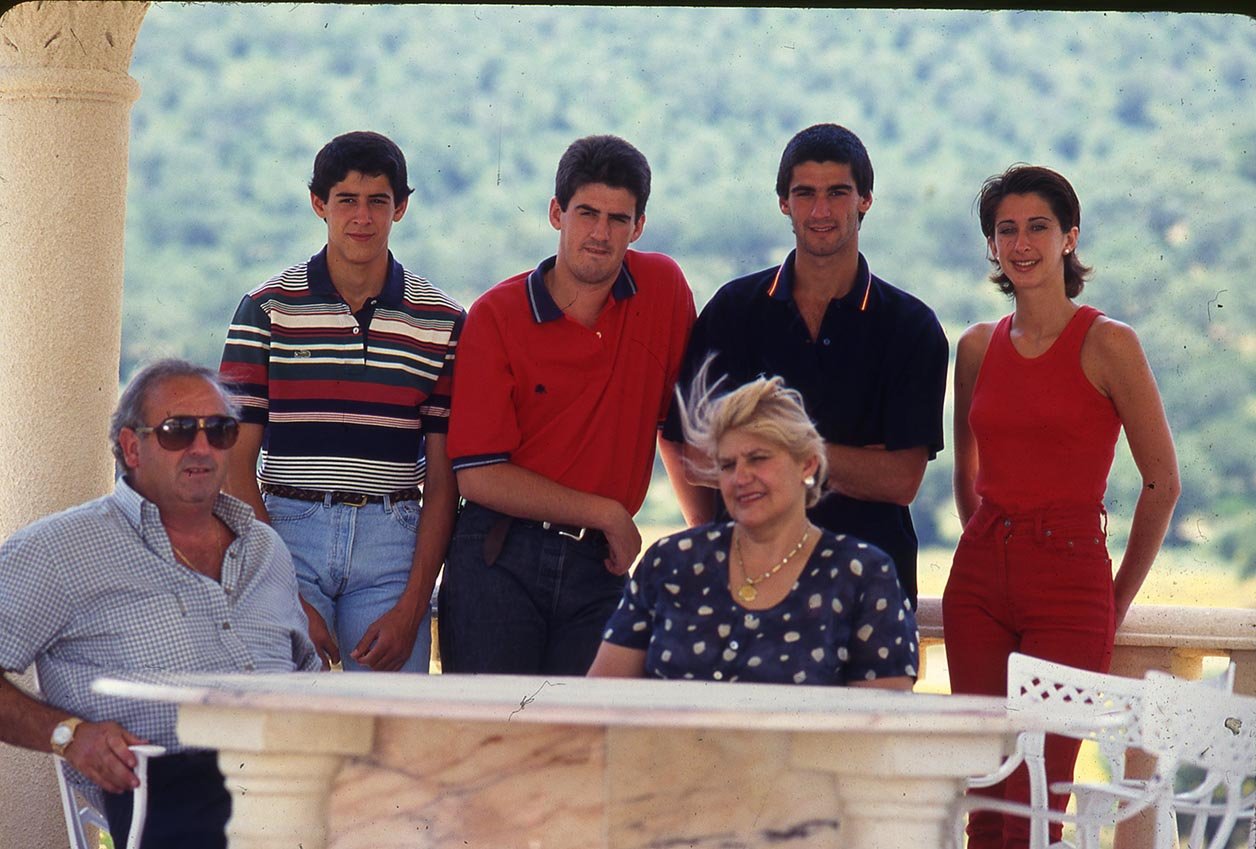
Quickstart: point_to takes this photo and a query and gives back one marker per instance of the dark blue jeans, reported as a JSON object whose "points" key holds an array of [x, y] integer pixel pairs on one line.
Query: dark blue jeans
{"points": [[188, 805], [538, 609]]}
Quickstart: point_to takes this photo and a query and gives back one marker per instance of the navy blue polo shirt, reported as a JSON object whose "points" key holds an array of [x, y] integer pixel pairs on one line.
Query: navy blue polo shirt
{"points": [[875, 375]]}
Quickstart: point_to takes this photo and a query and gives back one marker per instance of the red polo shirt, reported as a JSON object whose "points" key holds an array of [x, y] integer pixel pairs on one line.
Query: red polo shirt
{"points": [[579, 405]]}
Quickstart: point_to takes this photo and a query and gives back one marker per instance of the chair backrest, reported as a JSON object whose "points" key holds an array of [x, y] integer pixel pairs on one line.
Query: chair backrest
{"points": [[1073, 702], [1200, 726]]}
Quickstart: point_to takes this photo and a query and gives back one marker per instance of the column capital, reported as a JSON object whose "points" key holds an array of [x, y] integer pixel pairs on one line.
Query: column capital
{"points": [[88, 35]]}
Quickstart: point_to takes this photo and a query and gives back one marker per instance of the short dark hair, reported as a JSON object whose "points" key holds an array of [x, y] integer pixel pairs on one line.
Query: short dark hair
{"points": [[1022, 179], [130, 410], [602, 159], [826, 143], [370, 153]]}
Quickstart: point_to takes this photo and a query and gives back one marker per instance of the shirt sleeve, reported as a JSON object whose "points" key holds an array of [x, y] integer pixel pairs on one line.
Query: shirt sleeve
{"points": [[34, 608], [484, 426], [632, 623], [434, 411], [884, 640], [913, 412], [245, 366]]}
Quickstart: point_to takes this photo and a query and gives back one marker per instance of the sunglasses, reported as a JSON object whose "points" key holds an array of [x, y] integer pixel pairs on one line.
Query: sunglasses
{"points": [[178, 432]]}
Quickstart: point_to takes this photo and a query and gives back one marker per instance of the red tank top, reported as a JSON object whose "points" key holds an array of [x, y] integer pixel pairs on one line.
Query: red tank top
{"points": [[1045, 436]]}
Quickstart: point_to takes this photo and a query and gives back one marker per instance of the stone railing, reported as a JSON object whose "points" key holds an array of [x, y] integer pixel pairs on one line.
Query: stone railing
{"points": [[1172, 639]]}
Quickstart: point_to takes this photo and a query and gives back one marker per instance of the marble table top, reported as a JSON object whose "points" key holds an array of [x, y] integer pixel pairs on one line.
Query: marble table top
{"points": [[579, 701]]}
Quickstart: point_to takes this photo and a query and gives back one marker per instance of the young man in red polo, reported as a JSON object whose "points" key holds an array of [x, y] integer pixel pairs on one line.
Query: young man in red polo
{"points": [[564, 376]]}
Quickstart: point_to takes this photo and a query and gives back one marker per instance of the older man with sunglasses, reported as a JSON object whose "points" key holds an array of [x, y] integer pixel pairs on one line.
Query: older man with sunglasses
{"points": [[166, 574]]}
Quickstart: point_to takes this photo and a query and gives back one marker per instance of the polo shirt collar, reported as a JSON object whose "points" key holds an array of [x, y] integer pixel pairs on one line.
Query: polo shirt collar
{"points": [[542, 303], [392, 294], [781, 288]]}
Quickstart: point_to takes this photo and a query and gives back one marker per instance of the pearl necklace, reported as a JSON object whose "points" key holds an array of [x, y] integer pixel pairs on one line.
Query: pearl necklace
{"points": [[747, 592]]}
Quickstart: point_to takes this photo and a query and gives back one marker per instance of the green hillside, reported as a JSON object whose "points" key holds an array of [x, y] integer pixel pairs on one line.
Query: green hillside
{"points": [[1153, 117]]}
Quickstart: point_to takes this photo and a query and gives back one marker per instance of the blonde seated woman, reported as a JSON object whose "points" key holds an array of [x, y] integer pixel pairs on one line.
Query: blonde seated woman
{"points": [[767, 597]]}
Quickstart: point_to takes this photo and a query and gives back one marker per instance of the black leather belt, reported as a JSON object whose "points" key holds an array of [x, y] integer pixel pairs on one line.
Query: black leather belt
{"points": [[352, 499], [496, 536]]}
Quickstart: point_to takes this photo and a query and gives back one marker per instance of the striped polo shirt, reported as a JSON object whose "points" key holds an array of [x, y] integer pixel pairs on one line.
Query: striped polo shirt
{"points": [[345, 404]]}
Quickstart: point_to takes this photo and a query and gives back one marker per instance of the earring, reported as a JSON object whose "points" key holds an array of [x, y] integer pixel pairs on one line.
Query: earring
{"points": [[809, 481], [1066, 251]]}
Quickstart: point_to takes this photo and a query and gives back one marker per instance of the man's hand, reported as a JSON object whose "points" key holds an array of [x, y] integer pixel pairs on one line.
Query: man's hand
{"points": [[624, 541], [100, 751], [324, 642], [389, 642]]}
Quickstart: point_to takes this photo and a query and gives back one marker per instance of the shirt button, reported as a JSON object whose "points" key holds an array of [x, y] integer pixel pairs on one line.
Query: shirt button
{"points": [[249, 667], [827, 341], [733, 645], [226, 626], [1007, 523], [356, 331]]}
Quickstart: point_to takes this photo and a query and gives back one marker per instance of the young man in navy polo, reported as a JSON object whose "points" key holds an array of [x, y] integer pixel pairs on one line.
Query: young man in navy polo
{"points": [[343, 367], [869, 359], [564, 376]]}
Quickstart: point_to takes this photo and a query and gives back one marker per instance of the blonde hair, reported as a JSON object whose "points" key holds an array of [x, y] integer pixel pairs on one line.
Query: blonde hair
{"points": [[764, 407]]}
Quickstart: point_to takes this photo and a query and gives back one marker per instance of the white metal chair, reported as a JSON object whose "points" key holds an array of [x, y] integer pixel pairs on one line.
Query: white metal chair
{"points": [[83, 806], [1054, 698], [1049, 697], [1188, 725]]}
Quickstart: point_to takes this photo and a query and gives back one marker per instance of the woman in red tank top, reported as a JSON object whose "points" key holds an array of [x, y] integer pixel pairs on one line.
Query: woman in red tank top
{"points": [[1040, 397]]}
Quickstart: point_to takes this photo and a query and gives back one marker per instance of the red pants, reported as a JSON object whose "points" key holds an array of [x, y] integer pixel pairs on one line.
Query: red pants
{"points": [[1039, 584]]}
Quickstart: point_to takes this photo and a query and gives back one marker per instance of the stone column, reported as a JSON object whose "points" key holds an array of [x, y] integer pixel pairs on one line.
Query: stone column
{"points": [[279, 768], [65, 99]]}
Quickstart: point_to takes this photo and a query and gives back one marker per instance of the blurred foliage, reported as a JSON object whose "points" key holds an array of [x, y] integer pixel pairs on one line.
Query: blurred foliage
{"points": [[1150, 115]]}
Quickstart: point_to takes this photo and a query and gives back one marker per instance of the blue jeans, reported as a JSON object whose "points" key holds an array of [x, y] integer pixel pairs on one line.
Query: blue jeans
{"points": [[352, 565], [539, 609]]}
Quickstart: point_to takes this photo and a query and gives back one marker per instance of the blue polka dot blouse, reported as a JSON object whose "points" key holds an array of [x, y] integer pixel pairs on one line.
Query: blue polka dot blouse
{"points": [[845, 619]]}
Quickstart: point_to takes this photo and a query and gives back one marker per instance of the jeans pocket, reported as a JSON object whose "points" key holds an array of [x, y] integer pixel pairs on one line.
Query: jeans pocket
{"points": [[289, 509], [406, 514]]}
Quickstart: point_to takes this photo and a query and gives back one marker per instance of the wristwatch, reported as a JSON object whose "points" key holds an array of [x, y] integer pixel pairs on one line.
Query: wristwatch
{"points": [[63, 735]]}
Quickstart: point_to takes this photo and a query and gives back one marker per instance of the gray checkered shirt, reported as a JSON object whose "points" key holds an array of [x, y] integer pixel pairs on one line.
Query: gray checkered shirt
{"points": [[96, 590]]}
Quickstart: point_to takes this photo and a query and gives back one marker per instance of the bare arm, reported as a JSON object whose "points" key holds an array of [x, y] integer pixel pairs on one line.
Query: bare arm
{"points": [[1120, 369], [242, 469], [519, 492], [968, 356], [99, 749], [614, 661], [871, 473], [388, 642], [696, 501]]}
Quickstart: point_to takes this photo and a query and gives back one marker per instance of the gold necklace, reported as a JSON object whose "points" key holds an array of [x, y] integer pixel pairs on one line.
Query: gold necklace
{"points": [[747, 592], [187, 561]]}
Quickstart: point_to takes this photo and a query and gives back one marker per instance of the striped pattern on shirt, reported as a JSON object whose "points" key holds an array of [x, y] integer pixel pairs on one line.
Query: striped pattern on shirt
{"points": [[345, 406]]}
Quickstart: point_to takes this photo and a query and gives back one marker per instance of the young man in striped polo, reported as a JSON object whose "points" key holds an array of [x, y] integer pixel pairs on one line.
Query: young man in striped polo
{"points": [[342, 365]]}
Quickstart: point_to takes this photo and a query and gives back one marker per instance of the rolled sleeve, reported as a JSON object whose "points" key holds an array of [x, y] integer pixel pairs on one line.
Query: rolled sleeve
{"points": [[484, 427], [245, 366], [34, 608]]}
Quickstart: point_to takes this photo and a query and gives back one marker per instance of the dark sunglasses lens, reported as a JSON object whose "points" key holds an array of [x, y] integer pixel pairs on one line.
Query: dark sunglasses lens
{"points": [[178, 432], [222, 431]]}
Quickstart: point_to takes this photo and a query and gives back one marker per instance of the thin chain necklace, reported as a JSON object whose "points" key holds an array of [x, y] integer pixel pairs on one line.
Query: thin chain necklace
{"points": [[187, 561], [747, 592]]}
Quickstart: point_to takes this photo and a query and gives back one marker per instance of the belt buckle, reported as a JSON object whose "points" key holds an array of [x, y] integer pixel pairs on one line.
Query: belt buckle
{"points": [[358, 500], [550, 526]]}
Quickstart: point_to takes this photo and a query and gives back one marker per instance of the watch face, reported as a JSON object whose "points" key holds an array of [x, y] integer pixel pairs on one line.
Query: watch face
{"points": [[62, 735]]}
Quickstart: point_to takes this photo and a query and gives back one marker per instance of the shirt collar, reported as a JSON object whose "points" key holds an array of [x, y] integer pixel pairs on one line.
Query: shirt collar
{"points": [[542, 303], [144, 515], [859, 297], [320, 279]]}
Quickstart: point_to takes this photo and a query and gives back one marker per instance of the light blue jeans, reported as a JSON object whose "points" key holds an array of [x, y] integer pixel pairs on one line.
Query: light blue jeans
{"points": [[352, 565]]}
